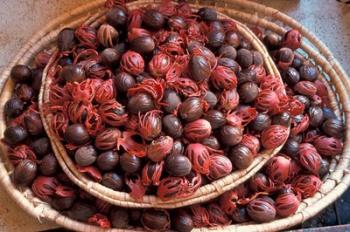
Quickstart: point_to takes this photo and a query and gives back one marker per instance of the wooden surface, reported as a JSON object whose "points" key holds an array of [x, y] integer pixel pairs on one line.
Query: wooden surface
{"points": [[19, 19]]}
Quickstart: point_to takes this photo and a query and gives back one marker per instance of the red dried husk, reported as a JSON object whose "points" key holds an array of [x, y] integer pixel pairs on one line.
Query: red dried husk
{"points": [[155, 88], [186, 87], [307, 185], [286, 204], [86, 36], [247, 114], [217, 216], [200, 216], [100, 220], [81, 92], [267, 100], [261, 183], [93, 122], [148, 126], [135, 19], [301, 127], [65, 191], [137, 189], [228, 201], [21, 152], [328, 146], [136, 33], [132, 62], [228, 100], [107, 139], [274, 136], [152, 173], [90, 171], [59, 124], [306, 88], [309, 158], [252, 142], [199, 156], [197, 130], [219, 166], [233, 119], [171, 188], [113, 113], [160, 148], [193, 182], [77, 111], [42, 58], [292, 39], [278, 168], [130, 145], [44, 187], [159, 65], [105, 91], [223, 78]]}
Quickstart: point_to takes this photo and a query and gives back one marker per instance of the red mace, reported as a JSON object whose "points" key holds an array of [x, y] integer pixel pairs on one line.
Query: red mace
{"points": [[278, 169], [217, 216], [87, 36], [83, 91], [132, 62], [150, 86], [274, 136], [137, 189], [306, 88], [302, 126], [113, 113], [107, 139], [135, 19], [307, 185], [150, 124], [199, 156], [287, 204], [219, 166], [309, 158], [159, 65], [261, 183], [42, 58], [21, 152], [105, 91], [296, 107], [192, 183], [59, 124], [171, 188], [247, 114], [209, 55], [197, 130], [93, 122], [328, 146], [321, 88], [267, 100], [228, 201], [292, 39], [99, 220], [223, 78], [200, 216], [44, 187], [159, 148], [136, 33], [229, 100], [233, 119], [77, 111], [151, 173], [252, 142], [65, 191], [90, 171]]}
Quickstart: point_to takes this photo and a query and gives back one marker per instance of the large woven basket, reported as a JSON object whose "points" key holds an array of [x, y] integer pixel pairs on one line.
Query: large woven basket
{"points": [[334, 185], [204, 193]]}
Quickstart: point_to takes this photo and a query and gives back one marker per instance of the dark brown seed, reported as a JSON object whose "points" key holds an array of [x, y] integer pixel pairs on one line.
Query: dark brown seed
{"points": [[21, 73], [246, 75], [245, 44], [15, 135], [211, 142], [153, 19], [140, 103], [36, 79], [240, 215], [178, 148], [241, 156], [291, 148], [272, 41], [216, 39], [191, 109], [199, 68], [155, 220], [110, 57], [285, 55], [228, 51], [248, 92], [261, 211], [178, 165], [107, 160], [229, 63], [333, 127], [233, 39], [13, 107], [171, 100], [244, 58], [183, 222], [81, 211], [211, 99], [261, 122], [216, 118], [33, 123], [172, 126], [117, 17], [49, 166], [298, 61], [25, 172], [41, 146], [281, 119], [207, 14], [316, 116], [257, 58], [124, 81], [176, 23], [230, 135], [303, 99], [72, 73], [324, 168], [63, 203], [119, 218], [130, 163], [64, 61], [113, 181], [66, 39], [291, 76], [24, 92], [85, 155], [308, 72], [216, 26], [135, 216], [77, 134], [143, 44]]}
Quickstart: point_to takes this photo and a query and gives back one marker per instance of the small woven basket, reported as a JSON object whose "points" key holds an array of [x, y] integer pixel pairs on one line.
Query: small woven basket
{"points": [[335, 183], [204, 193]]}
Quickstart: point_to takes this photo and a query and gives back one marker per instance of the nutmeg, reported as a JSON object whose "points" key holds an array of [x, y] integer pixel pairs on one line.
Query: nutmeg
{"points": [[211, 99], [333, 127], [117, 17], [48, 166], [191, 109], [77, 134], [33, 123], [13, 107], [178, 165], [85, 155], [172, 126], [143, 44], [171, 100], [216, 38], [216, 118], [124, 81], [244, 58], [241, 156], [72, 73], [66, 39], [130, 163], [119, 218], [21, 73], [248, 92], [155, 219], [291, 76], [24, 92], [211, 142], [261, 122], [153, 19], [41, 146], [15, 135], [25, 172], [308, 72], [107, 160], [140, 103], [281, 119], [113, 181], [182, 221], [199, 68], [233, 39], [207, 14], [230, 135]]}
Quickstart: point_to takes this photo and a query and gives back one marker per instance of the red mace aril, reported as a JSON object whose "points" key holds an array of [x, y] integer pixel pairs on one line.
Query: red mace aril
{"points": [[229, 100], [252, 142], [86, 36], [292, 39], [204, 51], [192, 184], [113, 113], [77, 111], [199, 156], [132, 62], [274, 136], [160, 148], [200, 216], [328, 146], [59, 124], [150, 124], [105, 91], [171, 188], [278, 169], [294, 170], [219, 166], [217, 216], [261, 210], [301, 126], [21, 152], [307, 185], [137, 189], [159, 65], [223, 78], [228, 201], [152, 173], [197, 130], [267, 100], [306, 88], [309, 158], [261, 183], [99, 220], [107, 139], [44, 187], [136, 33], [91, 171], [286, 204], [234, 120]]}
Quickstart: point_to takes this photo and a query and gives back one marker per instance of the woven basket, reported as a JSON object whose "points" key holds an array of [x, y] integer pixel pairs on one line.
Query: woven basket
{"points": [[204, 193], [334, 185]]}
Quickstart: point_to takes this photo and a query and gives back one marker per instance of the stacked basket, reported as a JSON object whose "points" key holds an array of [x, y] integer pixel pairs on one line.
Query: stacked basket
{"points": [[333, 185]]}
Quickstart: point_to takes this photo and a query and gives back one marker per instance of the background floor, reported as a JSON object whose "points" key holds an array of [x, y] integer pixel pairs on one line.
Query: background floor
{"points": [[19, 19]]}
